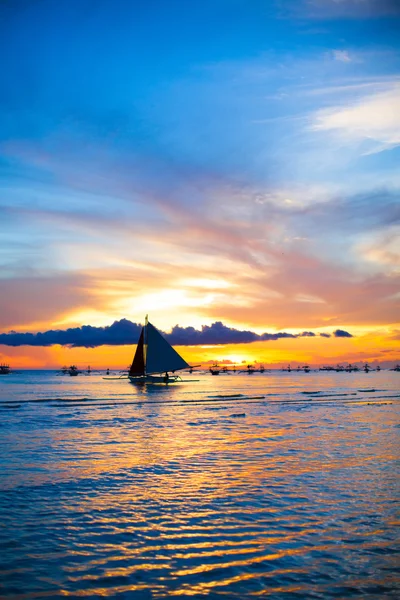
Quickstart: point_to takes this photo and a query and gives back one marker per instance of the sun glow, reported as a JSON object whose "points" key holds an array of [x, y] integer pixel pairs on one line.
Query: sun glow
{"points": [[167, 299], [237, 359]]}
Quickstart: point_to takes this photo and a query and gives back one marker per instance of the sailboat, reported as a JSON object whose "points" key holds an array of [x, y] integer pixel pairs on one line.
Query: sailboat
{"points": [[154, 358], [215, 369]]}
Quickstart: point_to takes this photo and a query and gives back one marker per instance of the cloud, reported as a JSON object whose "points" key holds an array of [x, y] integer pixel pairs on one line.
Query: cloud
{"points": [[292, 256], [24, 300], [302, 264], [395, 335], [342, 334], [121, 332], [124, 332], [341, 56], [374, 120]]}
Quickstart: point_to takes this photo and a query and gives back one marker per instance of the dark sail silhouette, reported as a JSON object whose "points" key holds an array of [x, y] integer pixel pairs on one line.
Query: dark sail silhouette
{"points": [[137, 366], [154, 355]]}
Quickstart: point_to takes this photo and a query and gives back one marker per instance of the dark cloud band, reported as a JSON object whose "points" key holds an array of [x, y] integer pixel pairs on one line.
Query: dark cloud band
{"points": [[124, 332]]}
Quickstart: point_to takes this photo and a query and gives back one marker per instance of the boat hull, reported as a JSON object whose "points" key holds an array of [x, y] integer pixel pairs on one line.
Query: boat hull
{"points": [[155, 379]]}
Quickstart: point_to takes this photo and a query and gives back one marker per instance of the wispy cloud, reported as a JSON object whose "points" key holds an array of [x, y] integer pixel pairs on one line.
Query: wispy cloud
{"points": [[35, 298], [342, 56], [374, 119]]}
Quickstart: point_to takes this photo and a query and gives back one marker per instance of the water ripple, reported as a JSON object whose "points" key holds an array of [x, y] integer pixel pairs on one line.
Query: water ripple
{"points": [[229, 489]]}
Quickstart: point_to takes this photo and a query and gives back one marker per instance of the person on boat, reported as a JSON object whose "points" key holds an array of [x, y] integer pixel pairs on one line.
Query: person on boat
{"points": [[166, 377]]}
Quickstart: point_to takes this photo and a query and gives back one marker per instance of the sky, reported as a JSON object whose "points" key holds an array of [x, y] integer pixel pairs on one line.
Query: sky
{"points": [[225, 166]]}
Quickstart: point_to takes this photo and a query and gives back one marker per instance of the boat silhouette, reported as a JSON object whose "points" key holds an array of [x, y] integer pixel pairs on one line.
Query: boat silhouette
{"points": [[215, 369], [155, 358]]}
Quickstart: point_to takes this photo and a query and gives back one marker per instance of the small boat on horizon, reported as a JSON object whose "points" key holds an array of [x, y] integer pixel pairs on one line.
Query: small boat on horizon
{"points": [[5, 369], [215, 369], [73, 370], [155, 358], [351, 368]]}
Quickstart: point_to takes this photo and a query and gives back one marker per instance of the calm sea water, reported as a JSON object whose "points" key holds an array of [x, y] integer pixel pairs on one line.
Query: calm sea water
{"points": [[114, 491]]}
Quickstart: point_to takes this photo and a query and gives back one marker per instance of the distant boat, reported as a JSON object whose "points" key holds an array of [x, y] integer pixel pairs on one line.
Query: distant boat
{"points": [[304, 368], [250, 369], [351, 368], [154, 358], [5, 369], [396, 368], [73, 371], [226, 370], [215, 369]]}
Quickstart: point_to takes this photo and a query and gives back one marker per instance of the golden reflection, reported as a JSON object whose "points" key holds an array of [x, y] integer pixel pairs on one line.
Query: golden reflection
{"points": [[206, 586], [102, 592]]}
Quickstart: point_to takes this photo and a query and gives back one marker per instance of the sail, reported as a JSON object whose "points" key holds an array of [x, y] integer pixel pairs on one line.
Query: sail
{"points": [[160, 355], [137, 367]]}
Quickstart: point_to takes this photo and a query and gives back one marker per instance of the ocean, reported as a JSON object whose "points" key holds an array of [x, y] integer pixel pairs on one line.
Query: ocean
{"points": [[277, 485]]}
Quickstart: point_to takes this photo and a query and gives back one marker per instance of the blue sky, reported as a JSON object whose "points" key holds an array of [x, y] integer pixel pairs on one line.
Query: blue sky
{"points": [[215, 160]]}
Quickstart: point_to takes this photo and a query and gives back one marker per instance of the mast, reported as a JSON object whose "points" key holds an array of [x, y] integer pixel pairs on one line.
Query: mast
{"points": [[146, 323]]}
